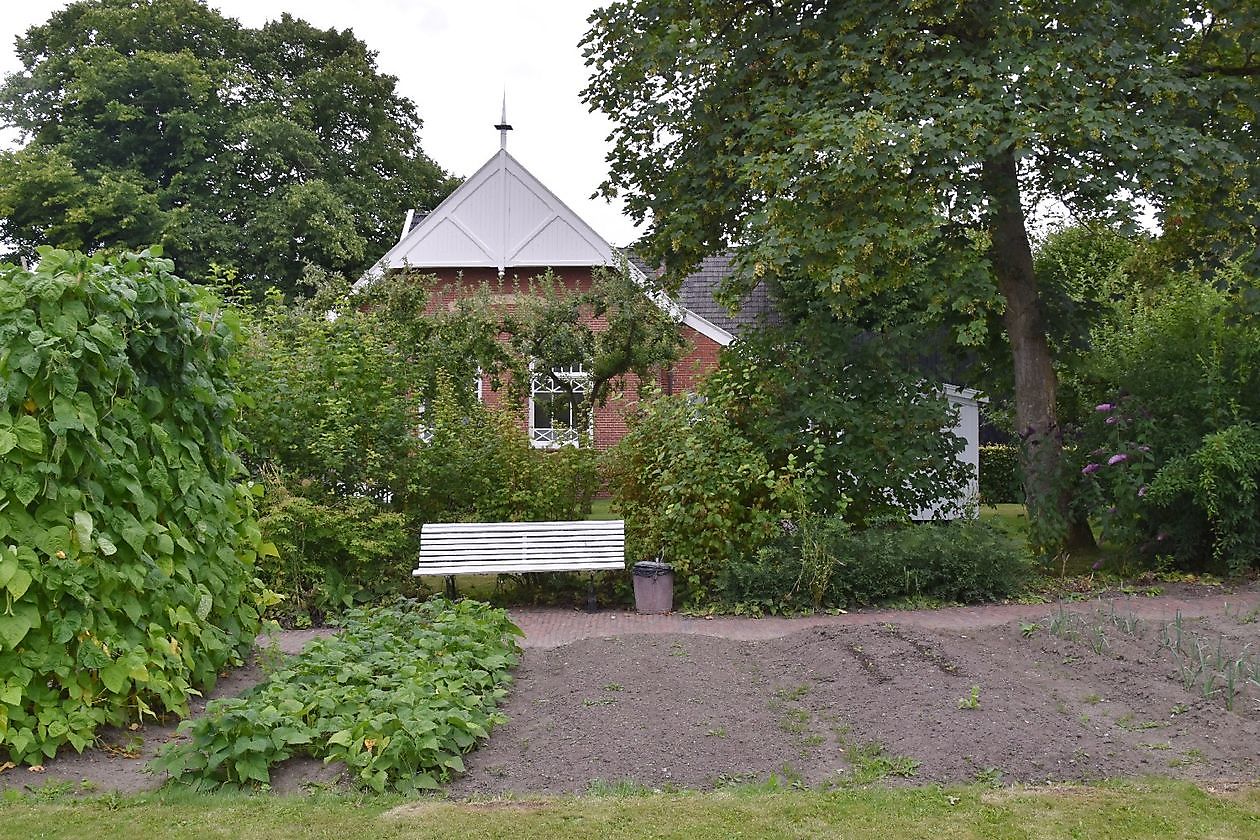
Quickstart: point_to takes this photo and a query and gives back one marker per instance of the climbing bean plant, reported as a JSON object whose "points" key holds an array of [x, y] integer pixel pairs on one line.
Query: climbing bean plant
{"points": [[127, 543]]}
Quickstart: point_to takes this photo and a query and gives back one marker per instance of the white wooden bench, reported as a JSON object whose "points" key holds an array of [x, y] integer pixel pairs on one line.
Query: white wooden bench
{"points": [[508, 548]]}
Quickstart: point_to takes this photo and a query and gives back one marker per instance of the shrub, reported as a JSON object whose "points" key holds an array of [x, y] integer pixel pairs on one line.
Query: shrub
{"points": [[695, 492], [1219, 479], [965, 561], [127, 544], [795, 571], [334, 400], [332, 552], [842, 398], [1167, 460], [962, 561], [800, 421], [478, 465], [398, 696], [335, 408], [1001, 480]]}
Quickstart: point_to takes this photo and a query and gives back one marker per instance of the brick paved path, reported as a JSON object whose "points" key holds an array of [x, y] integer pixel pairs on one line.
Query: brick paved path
{"points": [[549, 627]]}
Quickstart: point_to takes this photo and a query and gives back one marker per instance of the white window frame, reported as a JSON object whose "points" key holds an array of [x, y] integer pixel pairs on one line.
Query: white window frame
{"points": [[545, 383]]}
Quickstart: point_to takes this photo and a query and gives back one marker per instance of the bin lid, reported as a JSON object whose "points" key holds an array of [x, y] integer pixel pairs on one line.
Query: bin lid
{"points": [[652, 569]]}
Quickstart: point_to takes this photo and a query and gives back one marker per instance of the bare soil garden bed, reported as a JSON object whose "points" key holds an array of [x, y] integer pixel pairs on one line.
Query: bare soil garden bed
{"points": [[1072, 693], [1100, 696]]}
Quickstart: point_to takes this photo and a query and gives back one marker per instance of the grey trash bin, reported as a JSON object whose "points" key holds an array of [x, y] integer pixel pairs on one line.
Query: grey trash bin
{"points": [[653, 587]]}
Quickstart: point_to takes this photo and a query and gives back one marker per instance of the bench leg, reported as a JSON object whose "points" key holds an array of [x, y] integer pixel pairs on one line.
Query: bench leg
{"points": [[451, 592], [591, 606]]}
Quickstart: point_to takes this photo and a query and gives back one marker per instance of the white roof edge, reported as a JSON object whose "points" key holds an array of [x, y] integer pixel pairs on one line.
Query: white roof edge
{"points": [[707, 328], [700, 324], [366, 278]]}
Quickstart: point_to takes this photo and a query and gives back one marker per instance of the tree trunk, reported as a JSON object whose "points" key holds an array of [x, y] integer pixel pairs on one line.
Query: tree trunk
{"points": [[1036, 415]]}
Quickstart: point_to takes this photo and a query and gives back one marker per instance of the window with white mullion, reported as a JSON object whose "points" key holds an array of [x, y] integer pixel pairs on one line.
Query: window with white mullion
{"points": [[555, 406]]}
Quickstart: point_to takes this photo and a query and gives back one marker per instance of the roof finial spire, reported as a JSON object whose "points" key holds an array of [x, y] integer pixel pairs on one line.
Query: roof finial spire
{"points": [[503, 126]]}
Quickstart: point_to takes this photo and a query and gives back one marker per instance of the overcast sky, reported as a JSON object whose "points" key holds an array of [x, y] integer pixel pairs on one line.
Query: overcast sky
{"points": [[454, 59]]}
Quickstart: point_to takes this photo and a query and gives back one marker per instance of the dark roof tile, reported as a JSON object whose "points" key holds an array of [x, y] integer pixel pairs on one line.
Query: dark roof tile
{"points": [[697, 290]]}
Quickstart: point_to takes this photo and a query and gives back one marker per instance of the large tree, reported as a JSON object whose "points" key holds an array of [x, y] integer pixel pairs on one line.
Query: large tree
{"points": [[245, 151], [850, 148]]}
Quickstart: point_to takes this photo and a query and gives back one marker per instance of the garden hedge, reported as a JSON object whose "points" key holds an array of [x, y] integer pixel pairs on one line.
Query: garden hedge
{"points": [[1001, 481]]}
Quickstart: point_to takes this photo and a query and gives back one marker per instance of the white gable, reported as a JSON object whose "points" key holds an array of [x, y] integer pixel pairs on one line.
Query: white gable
{"points": [[502, 217]]}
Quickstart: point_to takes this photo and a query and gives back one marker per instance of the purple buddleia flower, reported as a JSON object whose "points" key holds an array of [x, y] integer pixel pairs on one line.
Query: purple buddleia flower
{"points": [[1104, 407], [1142, 491], [1118, 458], [1112, 420], [1144, 448], [1090, 469], [1097, 565]]}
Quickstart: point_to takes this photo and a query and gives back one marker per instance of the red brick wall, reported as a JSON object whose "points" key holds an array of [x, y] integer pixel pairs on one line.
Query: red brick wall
{"points": [[700, 358]]}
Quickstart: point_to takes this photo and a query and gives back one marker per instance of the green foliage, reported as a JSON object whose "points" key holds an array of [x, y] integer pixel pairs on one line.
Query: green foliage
{"points": [[478, 466], [127, 542], [800, 422], [795, 571], [399, 695], [1220, 480], [374, 403], [696, 492], [253, 150], [1168, 458], [783, 127], [369, 420], [848, 402], [1000, 479], [335, 400], [962, 561], [332, 552]]}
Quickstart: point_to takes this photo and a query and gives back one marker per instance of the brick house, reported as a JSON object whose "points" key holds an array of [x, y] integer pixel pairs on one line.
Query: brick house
{"points": [[503, 224]]}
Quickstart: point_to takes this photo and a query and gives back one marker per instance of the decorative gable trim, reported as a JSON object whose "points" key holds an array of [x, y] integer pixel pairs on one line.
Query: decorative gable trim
{"points": [[501, 217]]}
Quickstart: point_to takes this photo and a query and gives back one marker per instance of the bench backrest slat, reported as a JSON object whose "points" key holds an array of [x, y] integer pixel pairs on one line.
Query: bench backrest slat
{"points": [[590, 526], [478, 547]]}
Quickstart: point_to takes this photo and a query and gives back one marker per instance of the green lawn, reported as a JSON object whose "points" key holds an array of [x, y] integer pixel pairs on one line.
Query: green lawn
{"points": [[1142, 809], [602, 509], [1013, 519]]}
